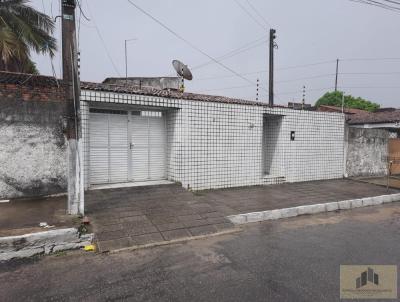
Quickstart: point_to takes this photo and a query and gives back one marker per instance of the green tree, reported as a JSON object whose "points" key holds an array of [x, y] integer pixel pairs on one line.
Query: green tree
{"points": [[334, 98], [22, 30]]}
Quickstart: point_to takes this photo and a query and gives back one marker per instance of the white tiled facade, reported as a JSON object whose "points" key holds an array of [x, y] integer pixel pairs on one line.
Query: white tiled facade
{"points": [[216, 145]]}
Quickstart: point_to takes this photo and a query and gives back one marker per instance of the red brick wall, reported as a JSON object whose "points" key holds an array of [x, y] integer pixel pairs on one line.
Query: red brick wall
{"points": [[31, 93]]}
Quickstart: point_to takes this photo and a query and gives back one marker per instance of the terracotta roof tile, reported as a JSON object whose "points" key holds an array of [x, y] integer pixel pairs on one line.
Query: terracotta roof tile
{"points": [[48, 81], [375, 117]]}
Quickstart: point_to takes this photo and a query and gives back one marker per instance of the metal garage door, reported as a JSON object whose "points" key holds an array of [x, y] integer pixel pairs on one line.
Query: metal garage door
{"points": [[127, 146]]}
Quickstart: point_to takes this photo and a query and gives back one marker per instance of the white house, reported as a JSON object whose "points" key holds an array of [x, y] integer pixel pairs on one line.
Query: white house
{"points": [[204, 141]]}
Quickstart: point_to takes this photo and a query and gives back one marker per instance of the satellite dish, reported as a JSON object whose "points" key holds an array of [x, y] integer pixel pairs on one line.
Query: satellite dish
{"points": [[182, 70]]}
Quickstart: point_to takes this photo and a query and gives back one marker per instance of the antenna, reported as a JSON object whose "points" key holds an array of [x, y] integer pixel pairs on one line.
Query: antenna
{"points": [[183, 71], [258, 85]]}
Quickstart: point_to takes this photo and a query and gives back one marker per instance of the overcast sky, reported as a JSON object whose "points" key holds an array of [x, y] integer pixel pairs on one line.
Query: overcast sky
{"points": [[308, 32]]}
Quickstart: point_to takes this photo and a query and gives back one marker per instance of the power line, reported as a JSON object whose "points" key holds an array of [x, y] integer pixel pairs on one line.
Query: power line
{"points": [[229, 76], [370, 87], [310, 65], [249, 14], [307, 78], [370, 73], [340, 73], [81, 10], [102, 40], [370, 59], [237, 51], [227, 88], [300, 91], [307, 65], [265, 70], [189, 43], [258, 13], [377, 4]]}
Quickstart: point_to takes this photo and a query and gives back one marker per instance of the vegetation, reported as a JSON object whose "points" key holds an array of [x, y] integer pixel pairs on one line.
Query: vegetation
{"points": [[22, 30], [334, 98]]}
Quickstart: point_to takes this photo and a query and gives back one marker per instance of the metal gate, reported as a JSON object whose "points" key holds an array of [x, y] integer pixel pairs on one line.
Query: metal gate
{"points": [[126, 146]]}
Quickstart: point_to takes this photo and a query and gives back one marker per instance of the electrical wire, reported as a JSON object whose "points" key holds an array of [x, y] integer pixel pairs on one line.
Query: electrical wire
{"points": [[102, 41], [307, 78], [370, 73], [307, 65], [226, 88], [370, 59], [81, 10], [250, 15], [266, 70], [377, 4], [237, 51], [300, 91], [189, 43], [369, 87], [258, 13], [79, 29]]}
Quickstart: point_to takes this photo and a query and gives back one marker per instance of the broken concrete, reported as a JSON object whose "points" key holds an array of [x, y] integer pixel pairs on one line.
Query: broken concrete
{"points": [[42, 243]]}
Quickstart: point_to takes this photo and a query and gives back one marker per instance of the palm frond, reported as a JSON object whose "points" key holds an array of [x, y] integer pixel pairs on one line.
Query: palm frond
{"points": [[23, 28]]}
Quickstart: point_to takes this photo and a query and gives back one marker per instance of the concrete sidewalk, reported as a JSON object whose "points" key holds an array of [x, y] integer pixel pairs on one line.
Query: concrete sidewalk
{"points": [[261, 198], [141, 216]]}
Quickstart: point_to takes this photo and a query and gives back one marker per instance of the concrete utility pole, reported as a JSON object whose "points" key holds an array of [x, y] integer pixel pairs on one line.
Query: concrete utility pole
{"points": [[73, 131], [337, 73], [272, 38]]}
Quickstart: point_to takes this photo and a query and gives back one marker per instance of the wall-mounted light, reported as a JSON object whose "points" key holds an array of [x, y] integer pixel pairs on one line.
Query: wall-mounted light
{"points": [[292, 135]]}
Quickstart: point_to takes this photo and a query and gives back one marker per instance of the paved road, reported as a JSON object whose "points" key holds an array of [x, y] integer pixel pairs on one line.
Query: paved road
{"points": [[288, 260]]}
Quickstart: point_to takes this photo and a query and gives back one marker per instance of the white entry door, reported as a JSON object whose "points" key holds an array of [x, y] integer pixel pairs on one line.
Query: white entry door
{"points": [[126, 146], [148, 146]]}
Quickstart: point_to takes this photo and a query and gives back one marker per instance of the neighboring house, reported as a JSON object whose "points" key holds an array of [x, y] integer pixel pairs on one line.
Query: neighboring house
{"points": [[383, 119], [135, 134], [369, 140], [375, 137], [347, 111]]}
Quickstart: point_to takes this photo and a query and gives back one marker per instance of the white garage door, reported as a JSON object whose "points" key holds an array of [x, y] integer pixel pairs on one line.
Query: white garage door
{"points": [[127, 146]]}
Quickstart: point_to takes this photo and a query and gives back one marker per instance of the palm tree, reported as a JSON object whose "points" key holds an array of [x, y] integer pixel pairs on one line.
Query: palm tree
{"points": [[22, 29]]}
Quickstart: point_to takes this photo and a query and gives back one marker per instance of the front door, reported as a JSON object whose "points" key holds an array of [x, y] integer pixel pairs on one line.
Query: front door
{"points": [[148, 146]]}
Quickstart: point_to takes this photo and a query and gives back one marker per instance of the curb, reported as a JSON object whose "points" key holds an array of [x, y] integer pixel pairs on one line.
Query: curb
{"points": [[180, 240], [46, 242], [312, 209]]}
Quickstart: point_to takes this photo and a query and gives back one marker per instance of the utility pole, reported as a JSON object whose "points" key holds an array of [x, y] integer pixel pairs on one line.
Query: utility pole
{"points": [[272, 38], [337, 73], [72, 89], [343, 102]]}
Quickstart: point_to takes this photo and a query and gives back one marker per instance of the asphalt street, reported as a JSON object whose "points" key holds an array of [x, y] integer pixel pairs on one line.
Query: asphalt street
{"points": [[296, 259]]}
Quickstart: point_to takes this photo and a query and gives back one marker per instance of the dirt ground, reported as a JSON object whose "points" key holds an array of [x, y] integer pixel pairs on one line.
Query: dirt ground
{"points": [[22, 216]]}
